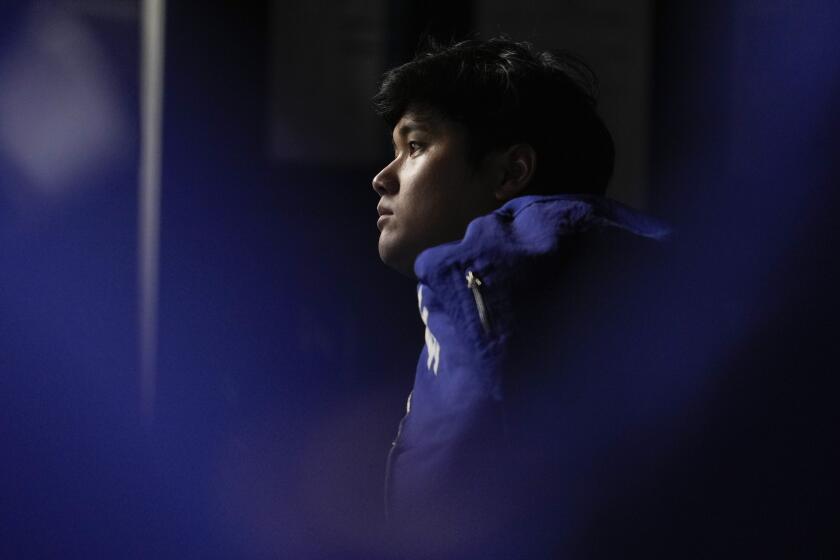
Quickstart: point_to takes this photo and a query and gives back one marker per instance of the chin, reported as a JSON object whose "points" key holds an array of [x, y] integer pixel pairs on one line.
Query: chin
{"points": [[400, 260]]}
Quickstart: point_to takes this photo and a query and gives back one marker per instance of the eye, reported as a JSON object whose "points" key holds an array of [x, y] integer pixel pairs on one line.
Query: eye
{"points": [[413, 147]]}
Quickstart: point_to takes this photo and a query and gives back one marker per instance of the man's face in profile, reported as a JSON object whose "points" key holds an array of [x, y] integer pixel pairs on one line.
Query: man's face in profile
{"points": [[430, 191]]}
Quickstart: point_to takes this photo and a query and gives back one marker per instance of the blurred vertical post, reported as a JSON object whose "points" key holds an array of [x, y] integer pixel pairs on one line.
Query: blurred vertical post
{"points": [[151, 117]]}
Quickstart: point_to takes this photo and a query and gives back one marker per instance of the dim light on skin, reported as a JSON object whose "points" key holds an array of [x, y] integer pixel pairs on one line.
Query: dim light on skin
{"points": [[430, 191]]}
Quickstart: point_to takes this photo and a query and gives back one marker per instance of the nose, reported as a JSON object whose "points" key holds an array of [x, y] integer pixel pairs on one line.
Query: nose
{"points": [[385, 182]]}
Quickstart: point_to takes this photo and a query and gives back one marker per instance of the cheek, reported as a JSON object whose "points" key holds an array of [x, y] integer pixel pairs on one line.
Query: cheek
{"points": [[416, 197], [432, 200], [435, 188]]}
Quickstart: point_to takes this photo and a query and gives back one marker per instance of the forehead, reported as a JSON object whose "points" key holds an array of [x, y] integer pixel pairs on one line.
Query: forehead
{"points": [[415, 121], [424, 120]]}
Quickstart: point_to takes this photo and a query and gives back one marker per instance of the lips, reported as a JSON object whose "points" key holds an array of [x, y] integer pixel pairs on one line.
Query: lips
{"points": [[380, 223], [385, 214]]}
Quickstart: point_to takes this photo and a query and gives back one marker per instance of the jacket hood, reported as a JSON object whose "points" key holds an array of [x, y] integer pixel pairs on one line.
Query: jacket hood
{"points": [[529, 227], [507, 247]]}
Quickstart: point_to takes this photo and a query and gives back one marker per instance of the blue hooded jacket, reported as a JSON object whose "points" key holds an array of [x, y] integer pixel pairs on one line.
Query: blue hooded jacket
{"points": [[471, 297]]}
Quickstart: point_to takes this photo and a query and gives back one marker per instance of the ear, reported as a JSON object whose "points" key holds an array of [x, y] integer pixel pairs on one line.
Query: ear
{"points": [[518, 164]]}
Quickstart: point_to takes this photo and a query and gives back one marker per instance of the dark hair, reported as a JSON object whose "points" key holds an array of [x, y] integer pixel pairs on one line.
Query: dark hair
{"points": [[505, 92]]}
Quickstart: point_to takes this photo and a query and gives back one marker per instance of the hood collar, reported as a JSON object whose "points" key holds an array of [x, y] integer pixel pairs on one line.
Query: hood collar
{"points": [[531, 226]]}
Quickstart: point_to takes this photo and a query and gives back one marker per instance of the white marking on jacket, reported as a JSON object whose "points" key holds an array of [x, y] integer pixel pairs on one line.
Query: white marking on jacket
{"points": [[432, 345]]}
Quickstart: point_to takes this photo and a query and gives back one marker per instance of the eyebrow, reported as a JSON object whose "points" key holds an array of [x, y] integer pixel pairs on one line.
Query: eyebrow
{"points": [[412, 126], [408, 128]]}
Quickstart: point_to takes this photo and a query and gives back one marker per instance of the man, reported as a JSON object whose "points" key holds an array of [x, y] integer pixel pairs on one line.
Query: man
{"points": [[493, 201]]}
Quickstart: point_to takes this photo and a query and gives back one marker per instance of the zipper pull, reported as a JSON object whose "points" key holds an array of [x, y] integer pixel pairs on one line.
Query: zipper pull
{"points": [[474, 283]]}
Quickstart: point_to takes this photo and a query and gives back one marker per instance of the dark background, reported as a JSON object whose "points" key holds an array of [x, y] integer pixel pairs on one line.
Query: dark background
{"points": [[286, 347]]}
